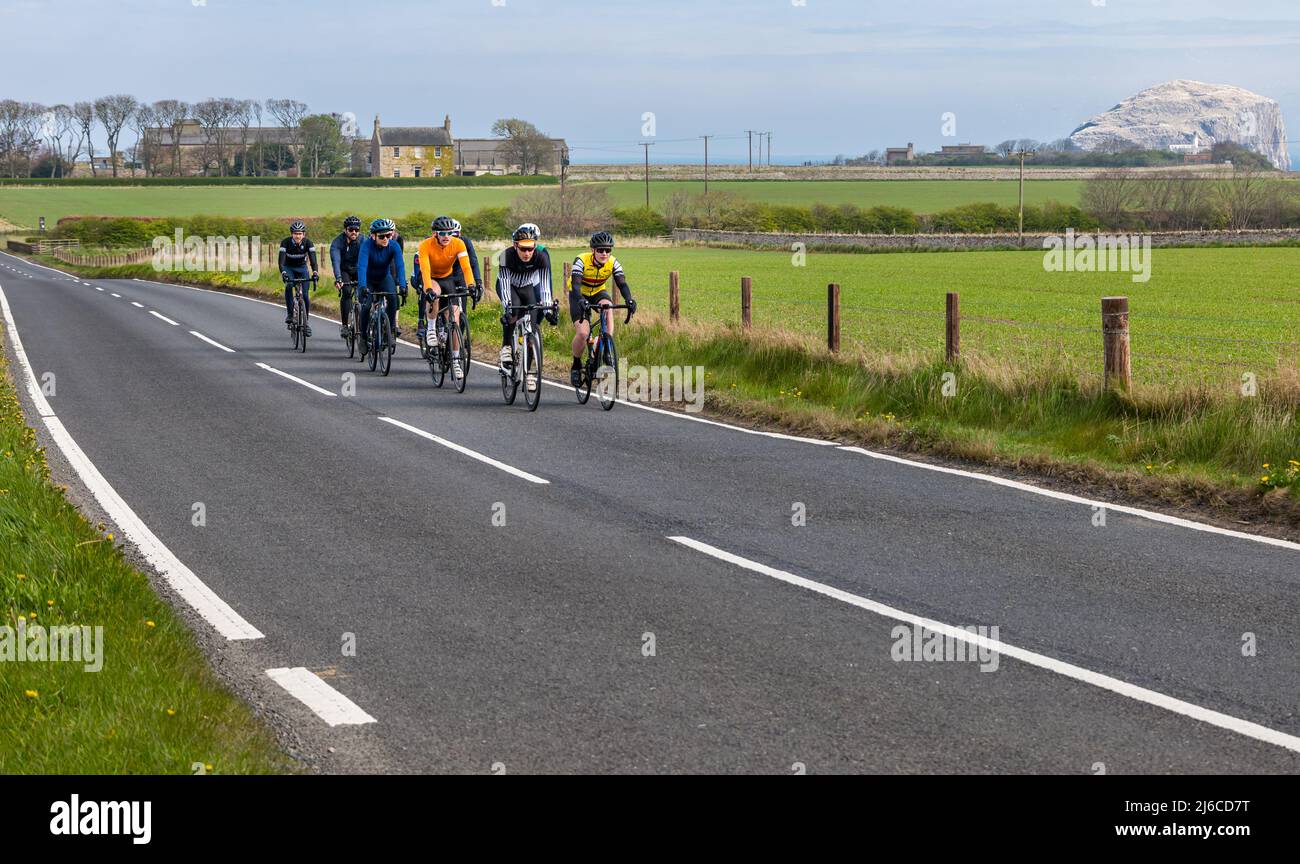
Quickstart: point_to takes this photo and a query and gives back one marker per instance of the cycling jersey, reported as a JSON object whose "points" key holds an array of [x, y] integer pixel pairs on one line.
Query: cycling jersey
{"points": [[375, 264], [594, 276], [295, 255], [343, 256], [438, 261], [514, 274]]}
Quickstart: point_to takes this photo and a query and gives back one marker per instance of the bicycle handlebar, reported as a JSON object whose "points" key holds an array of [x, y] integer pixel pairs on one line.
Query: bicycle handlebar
{"points": [[588, 306]]}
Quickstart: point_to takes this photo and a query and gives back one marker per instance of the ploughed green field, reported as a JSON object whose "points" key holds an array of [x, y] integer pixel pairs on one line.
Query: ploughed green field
{"points": [[1204, 315], [23, 205]]}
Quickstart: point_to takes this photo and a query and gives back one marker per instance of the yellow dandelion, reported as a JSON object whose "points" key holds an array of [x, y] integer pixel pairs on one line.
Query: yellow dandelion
{"points": [[22, 576], [171, 712], [49, 602], [110, 537], [31, 615], [207, 766], [150, 624], [31, 694]]}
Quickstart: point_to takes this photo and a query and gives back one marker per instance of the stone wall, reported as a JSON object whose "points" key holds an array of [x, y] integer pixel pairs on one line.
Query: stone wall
{"points": [[952, 242]]}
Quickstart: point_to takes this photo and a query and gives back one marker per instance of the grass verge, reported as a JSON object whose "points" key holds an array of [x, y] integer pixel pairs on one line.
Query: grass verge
{"points": [[153, 706]]}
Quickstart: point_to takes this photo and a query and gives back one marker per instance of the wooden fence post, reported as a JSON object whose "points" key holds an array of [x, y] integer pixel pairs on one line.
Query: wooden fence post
{"points": [[1115, 344], [952, 340], [746, 301], [833, 317], [674, 297], [488, 289]]}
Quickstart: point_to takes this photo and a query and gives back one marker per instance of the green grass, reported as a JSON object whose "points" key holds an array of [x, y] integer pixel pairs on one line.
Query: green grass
{"points": [[23, 205], [154, 706]]}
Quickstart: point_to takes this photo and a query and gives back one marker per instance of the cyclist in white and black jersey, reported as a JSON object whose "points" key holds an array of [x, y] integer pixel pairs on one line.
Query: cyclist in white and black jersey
{"points": [[523, 278]]}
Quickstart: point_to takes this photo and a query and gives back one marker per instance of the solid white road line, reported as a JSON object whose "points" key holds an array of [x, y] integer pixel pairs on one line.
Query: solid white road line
{"points": [[212, 342], [191, 589], [139, 305], [329, 704], [164, 318], [1075, 499], [1069, 670], [487, 460], [295, 379]]}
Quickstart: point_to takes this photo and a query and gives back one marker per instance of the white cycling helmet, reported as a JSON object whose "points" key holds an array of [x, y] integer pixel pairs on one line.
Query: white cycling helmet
{"points": [[537, 232], [455, 227]]}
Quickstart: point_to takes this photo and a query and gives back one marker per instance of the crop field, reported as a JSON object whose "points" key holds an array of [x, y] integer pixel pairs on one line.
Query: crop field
{"points": [[23, 205], [1205, 315]]}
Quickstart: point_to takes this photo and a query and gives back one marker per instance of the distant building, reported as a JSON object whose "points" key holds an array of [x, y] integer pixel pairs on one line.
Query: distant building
{"points": [[900, 154], [187, 149], [1191, 149], [410, 151], [963, 150], [476, 156]]}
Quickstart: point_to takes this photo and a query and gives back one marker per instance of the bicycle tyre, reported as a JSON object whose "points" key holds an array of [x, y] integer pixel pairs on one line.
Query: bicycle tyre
{"points": [[533, 345], [510, 383], [386, 349], [302, 327], [462, 328], [608, 391]]}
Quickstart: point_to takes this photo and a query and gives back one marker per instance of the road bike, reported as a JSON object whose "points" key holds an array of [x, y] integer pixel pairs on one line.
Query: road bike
{"points": [[600, 367], [445, 330], [350, 329], [380, 341], [298, 315], [526, 356]]}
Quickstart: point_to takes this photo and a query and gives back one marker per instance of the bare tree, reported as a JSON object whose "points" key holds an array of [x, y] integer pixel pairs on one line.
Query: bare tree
{"points": [[1242, 195], [215, 117], [1110, 197], [143, 121], [84, 112], [113, 113], [20, 133], [1006, 148], [170, 113], [64, 137], [289, 113], [243, 115]]}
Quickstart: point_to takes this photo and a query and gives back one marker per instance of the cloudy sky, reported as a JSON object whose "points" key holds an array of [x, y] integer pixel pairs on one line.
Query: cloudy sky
{"points": [[824, 76]]}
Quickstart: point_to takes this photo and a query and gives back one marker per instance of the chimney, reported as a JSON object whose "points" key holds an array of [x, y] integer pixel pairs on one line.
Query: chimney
{"points": [[446, 124], [376, 133]]}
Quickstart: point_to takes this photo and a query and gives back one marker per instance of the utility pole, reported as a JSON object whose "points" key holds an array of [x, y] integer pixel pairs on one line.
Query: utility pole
{"points": [[750, 133], [1022, 153], [647, 145], [769, 147], [706, 162]]}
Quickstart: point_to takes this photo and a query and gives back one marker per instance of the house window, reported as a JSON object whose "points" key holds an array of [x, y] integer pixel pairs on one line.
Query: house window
{"points": [[397, 151], [437, 172], [417, 152], [397, 172], [437, 152], [417, 170]]}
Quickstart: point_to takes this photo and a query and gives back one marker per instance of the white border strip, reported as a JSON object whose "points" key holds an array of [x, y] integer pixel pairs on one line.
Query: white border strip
{"points": [[296, 380], [191, 589], [1075, 499], [487, 460], [328, 704], [1069, 670]]}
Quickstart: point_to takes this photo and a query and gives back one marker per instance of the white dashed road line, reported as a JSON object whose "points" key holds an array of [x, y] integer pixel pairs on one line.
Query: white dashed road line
{"points": [[329, 704], [163, 317], [212, 342], [486, 460], [296, 380]]}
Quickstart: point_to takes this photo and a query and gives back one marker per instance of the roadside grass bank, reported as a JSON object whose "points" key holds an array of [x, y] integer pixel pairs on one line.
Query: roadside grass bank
{"points": [[1201, 445], [153, 706]]}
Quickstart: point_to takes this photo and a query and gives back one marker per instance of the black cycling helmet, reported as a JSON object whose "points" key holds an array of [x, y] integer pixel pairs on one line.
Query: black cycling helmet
{"points": [[297, 225], [382, 224], [602, 238], [352, 222], [524, 232], [444, 223]]}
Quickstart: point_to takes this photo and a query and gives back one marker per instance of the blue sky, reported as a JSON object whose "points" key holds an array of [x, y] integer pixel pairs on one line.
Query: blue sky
{"points": [[825, 76]]}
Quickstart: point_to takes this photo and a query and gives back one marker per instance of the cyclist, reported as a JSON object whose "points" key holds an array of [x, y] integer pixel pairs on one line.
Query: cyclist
{"points": [[438, 256], [588, 277], [378, 257], [296, 253], [473, 256], [524, 278], [343, 257], [541, 247]]}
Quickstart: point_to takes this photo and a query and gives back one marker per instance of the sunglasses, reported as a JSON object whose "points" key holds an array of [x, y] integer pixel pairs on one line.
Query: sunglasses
{"points": [[445, 233], [604, 250], [388, 236], [353, 230]]}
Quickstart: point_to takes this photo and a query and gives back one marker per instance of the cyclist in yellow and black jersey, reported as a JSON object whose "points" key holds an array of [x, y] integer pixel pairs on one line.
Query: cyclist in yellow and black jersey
{"points": [[589, 276]]}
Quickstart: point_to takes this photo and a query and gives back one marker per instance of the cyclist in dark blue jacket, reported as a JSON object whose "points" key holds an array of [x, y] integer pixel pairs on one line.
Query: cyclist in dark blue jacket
{"points": [[296, 253], [377, 261], [343, 256]]}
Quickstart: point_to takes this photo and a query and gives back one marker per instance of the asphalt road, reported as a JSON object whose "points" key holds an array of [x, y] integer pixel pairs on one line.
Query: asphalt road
{"points": [[525, 646]]}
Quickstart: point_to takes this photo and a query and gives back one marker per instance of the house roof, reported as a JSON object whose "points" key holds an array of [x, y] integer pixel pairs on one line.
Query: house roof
{"points": [[233, 135], [414, 136]]}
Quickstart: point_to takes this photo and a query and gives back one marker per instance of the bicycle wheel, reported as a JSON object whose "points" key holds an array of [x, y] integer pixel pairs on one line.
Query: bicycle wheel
{"points": [[607, 373], [583, 390], [510, 380], [302, 327], [293, 325], [437, 357], [462, 329], [373, 360], [386, 346], [533, 370]]}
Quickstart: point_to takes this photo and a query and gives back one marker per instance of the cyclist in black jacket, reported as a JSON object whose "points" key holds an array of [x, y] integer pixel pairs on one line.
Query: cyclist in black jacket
{"points": [[343, 257], [296, 252]]}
